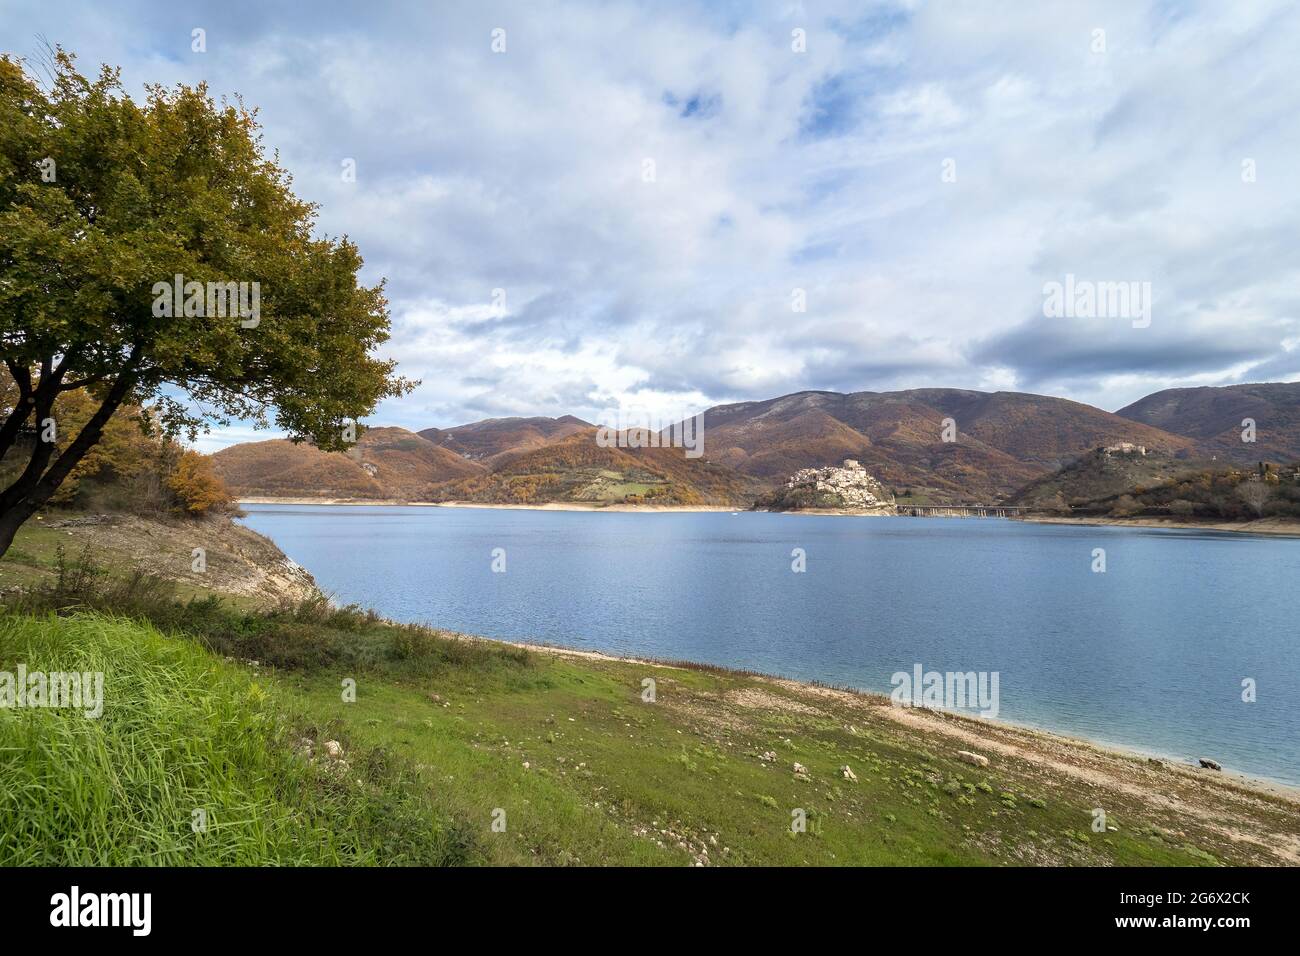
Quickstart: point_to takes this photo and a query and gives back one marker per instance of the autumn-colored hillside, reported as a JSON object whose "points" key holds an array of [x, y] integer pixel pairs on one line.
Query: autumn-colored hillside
{"points": [[1218, 491], [1216, 418], [385, 463], [578, 469], [1101, 475], [999, 441], [930, 446], [1042, 430], [488, 440]]}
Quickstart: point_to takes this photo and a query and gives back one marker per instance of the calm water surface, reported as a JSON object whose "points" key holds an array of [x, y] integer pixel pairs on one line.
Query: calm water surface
{"points": [[1150, 655]]}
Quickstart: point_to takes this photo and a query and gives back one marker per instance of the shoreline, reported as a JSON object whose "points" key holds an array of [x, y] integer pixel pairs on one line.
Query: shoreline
{"points": [[939, 720], [1270, 526], [1279, 527], [548, 506]]}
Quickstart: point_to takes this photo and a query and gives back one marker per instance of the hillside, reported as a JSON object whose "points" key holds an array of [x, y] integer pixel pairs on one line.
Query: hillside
{"points": [[1099, 475], [239, 563], [1004, 439], [1213, 416], [493, 437], [385, 463], [577, 469], [1134, 486]]}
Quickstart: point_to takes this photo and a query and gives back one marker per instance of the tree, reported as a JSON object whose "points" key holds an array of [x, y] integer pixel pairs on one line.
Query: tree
{"points": [[153, 253], [1255, 494], [197, 488]]}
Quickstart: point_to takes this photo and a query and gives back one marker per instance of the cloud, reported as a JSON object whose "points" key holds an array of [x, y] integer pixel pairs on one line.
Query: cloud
{"points": [[650, 184]]}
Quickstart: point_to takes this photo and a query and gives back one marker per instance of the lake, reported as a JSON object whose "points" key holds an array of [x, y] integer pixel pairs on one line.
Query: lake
{"points": [[1150, 654]]}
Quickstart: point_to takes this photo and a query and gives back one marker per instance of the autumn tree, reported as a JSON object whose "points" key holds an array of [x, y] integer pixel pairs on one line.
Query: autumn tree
{"points": [[196, 486], [153, 253]]}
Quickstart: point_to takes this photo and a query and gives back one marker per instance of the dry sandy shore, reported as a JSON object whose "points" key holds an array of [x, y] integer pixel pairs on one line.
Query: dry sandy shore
{"points": [[1280, 526]]}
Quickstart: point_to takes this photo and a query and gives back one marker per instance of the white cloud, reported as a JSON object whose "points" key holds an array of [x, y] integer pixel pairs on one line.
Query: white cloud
{"points": [[774, 170]]}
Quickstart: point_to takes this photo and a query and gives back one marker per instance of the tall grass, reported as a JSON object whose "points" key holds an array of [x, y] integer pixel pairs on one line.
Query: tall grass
{"points": [[307, 634], [183, 732]]}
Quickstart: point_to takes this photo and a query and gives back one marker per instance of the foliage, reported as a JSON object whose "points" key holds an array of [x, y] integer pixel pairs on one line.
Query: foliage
{"points": [[102, 200], [134, 468], [578, 469], [197, 488], [1221, 494]]}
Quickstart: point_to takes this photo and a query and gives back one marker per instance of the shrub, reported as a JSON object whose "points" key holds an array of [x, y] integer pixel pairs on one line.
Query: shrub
{"points": [[196, 486], [303, 635]]}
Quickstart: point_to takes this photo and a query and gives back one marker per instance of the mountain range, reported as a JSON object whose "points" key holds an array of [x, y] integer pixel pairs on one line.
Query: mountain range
{"points": [[935, 445]]}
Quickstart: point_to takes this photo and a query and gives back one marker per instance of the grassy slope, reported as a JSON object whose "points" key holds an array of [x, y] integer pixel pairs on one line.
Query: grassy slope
{"points": [[183, 731], [451, 730], [613, 779]]}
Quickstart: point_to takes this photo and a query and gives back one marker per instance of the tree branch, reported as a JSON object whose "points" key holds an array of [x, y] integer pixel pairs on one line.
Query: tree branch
{"points": [[89, 434], [22, 409]]}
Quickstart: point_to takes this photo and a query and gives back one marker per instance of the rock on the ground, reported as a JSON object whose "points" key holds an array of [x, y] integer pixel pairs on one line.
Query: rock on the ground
{"points": [[979, 760], [848, 773], [1209, 764]]}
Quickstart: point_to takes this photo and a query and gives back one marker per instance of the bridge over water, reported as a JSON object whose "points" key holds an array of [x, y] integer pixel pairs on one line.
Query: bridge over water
{"points": [[960, 511]]}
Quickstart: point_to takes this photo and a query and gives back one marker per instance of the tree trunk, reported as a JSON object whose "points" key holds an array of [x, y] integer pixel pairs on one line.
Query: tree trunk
{"points": [[10, 522], [37, 484], [14, 423]]}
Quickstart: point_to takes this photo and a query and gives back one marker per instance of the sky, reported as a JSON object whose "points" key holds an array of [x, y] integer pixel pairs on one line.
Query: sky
{"points": [[621, 208]]}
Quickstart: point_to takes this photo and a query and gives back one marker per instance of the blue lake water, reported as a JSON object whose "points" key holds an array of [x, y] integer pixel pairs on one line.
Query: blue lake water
{"points": [[1149, 655]]}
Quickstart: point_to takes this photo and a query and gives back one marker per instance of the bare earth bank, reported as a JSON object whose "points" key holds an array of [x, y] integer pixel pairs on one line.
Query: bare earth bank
{"points": [[1282, 526]]}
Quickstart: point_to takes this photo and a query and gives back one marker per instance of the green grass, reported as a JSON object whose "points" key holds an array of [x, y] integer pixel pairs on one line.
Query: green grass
{"points": [[183, 731], [610, 778], [447, 736], [31, 560]]}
